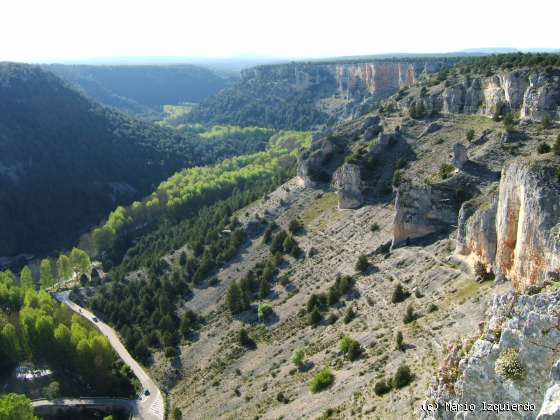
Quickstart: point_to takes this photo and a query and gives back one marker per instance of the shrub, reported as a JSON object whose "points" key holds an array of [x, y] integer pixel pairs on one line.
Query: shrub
{"points": [[432, 307], [170, 352], [349, 316], [509, 366], [321, 381], [402, 377], [332, 319], [399, 294], [298, 357], [315, 317], [244, 339], [264, 311], [399, 341], [398, 178], [446, 170], [362, 264], [543, 148], [470, 135], [295, 226], [508, 123], [409, 315], [374, 227], [481, 273], [350, 348], [382, 387]]}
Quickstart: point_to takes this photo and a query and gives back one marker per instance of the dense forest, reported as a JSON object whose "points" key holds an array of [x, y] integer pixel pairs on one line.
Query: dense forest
{"points": [[141, 90], [490, 63], [36, 328], [198, 209], [65, 161]]}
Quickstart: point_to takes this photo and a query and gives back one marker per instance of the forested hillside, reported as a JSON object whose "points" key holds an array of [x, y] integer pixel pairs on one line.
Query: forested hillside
{"points": [[142, 90], [66, 161]]}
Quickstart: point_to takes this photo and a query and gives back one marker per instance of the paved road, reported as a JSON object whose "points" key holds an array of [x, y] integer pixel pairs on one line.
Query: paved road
{"points": [[149, 407]]}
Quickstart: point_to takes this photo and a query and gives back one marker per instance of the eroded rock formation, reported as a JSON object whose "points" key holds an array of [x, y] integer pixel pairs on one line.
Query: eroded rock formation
{"points": [[348, 184], [526, 327], [517, 232], [422, 210], [532, 94]]}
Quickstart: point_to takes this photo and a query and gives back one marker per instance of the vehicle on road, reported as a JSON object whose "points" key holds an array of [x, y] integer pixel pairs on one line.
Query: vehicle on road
{"points": [[147, 392], [94, 319]]}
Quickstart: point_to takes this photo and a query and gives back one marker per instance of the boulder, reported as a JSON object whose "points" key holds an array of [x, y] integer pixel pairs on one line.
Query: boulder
{"points": [[460, 156]]}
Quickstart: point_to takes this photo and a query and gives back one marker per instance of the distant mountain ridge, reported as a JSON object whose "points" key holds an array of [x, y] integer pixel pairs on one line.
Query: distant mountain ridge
{"points": [[65, 160], [141, 90]]}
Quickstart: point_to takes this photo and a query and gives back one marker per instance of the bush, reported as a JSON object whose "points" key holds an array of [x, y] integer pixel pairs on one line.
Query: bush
{"points": [[470, 135], [170, 352], [509, 366], [543, 148], [350, 348], [399, 294], [374, 227], [481, 273], [315, 317], [382, 387], [295, 227], [321, 381], [244, 339], [264, 311], [508, 123], [362, 264], [349, 316], [409, 316], [402, 377], [398, 178], [432, 307], [446, 170], [399, 341], [298, 357]]}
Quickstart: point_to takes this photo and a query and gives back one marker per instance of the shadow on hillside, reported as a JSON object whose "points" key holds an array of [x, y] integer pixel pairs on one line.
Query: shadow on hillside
{"points": [[481, 171]]}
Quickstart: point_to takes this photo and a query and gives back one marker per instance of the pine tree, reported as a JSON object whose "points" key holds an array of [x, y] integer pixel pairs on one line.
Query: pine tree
{"points": [[26, 278], [46, 276]]}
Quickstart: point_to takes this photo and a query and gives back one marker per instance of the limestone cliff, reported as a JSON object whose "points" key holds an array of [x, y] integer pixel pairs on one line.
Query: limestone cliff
{"points": [[311, 95], [528, 222], [517, 231], [515, 360], [348, 184], [529, 93]]}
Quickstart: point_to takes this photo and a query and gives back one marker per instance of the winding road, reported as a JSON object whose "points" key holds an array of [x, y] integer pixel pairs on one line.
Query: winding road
{"points": [[146, 407]]}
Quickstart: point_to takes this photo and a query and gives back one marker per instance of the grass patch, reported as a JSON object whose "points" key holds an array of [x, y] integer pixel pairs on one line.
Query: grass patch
{"points": [[326, 202]]}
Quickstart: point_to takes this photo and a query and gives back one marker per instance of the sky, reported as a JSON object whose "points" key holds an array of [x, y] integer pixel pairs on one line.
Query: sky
{"points": [[57, 30]]}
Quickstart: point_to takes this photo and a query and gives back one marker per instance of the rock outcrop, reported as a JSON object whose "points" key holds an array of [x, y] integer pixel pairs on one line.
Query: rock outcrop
{"points": [[476, 234], [515, 361], [460, 156], [517, 232], [422, 210], [528, 222], [532, 94], [348, 184]]}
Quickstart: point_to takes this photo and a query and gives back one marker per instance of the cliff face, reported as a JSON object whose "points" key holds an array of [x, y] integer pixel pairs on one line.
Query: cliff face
{"points": [[522, 336], [310, 95], [517, 231], [531, 94]]}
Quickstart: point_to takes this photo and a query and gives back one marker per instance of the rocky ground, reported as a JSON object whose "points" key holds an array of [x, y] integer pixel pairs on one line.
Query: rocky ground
{"points": [[215, 377]]}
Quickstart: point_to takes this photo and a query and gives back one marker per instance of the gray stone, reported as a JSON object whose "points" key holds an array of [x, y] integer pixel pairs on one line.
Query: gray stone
{"points": [[460, 156]]}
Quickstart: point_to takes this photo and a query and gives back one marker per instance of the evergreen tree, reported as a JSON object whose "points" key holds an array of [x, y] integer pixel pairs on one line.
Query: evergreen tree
{"points": [[26, 278], [46, 276]]}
